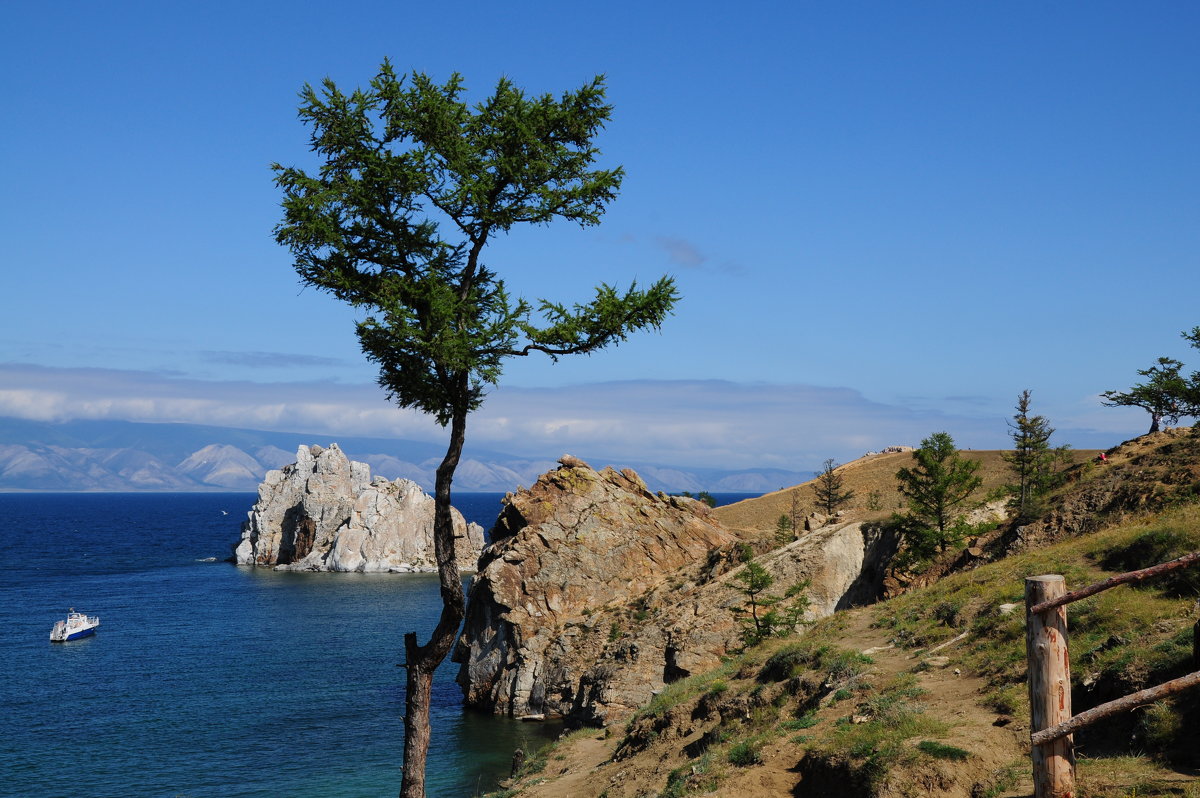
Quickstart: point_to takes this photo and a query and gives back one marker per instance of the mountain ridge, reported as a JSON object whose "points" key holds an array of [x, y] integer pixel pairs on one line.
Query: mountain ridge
{"points": [[126, 456]]}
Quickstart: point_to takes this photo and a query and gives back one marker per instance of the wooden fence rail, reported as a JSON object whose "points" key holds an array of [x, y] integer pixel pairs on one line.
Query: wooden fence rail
{"points": [[1049, 676]]}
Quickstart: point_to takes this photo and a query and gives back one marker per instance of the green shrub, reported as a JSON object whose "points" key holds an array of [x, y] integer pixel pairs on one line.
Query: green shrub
{"points": [[844, 664], [1159, 726], [805, 721], [784, 663], [746, 753]]}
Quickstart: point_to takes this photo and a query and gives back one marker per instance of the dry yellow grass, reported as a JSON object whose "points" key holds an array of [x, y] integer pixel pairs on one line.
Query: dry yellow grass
{"points": [[873, 480]]}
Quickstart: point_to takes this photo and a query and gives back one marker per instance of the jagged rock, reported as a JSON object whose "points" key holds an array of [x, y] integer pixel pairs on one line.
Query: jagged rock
{"points": [[596, 593], [325, 513], [578, 543]]}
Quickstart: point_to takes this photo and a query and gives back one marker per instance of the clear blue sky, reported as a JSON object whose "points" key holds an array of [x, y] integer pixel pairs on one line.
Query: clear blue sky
{"points": [[886, 219]]}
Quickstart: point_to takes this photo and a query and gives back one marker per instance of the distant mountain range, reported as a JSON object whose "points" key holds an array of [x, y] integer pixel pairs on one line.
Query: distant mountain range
{"points": [[129, 456]]}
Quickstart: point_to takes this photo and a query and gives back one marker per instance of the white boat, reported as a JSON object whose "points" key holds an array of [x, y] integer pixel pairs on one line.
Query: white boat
{"points": [[76, 625]]}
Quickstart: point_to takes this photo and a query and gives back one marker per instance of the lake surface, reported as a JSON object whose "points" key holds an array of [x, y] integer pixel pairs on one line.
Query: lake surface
{"points": [[206, 679]]}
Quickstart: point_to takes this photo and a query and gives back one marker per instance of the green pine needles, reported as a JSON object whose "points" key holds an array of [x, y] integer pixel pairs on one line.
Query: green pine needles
{"points": [[936, 486], [415, 182]]}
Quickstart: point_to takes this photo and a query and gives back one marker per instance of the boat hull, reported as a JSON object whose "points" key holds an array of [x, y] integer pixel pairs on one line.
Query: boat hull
{"points": [[81, 634]]}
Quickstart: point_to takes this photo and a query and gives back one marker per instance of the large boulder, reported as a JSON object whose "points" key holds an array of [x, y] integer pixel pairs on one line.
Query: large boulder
{"points": [[577, 547], [326, 513], [596, 593]]}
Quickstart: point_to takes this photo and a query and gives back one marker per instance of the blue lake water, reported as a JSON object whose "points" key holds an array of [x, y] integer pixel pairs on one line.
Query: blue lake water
{"points": [[206, 679]]}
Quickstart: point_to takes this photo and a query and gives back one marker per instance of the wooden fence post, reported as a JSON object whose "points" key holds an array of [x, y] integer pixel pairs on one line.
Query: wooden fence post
{"points": [[1049, 677]]}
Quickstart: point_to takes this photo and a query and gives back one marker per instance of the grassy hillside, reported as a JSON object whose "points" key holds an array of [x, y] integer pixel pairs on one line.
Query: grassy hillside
{"points": [[873, 480], [925, 694]]}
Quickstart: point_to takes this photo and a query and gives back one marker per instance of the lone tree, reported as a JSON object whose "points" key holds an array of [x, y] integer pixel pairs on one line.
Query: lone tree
{"points": [[1032, 461], [1166, 395], [830, 495], [413, 184], [784, 531], [769, 615], [936, 486]]}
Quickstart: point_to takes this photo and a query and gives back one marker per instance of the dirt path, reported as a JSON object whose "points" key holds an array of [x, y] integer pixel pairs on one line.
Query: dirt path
{"points": [[583, 767]]}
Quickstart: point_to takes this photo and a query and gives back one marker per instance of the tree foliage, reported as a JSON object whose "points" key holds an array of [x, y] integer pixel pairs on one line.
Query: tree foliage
{"points": [[1034, 464], [1166, 394], [413, 183], [702, 496], [784, 531], [769, 615], [829, 488], [937, 485]]}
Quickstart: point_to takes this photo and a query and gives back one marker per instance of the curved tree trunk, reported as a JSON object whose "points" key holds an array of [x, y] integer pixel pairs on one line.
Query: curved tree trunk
{"points": [[422, 661]]}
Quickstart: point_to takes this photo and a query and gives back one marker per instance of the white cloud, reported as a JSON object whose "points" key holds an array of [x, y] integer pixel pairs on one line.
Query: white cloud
{"points": [[681, 253], [688, 423]]}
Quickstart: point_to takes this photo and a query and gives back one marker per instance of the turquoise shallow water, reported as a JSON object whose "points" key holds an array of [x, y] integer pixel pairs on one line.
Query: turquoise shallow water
{"points": [[210, 680]]}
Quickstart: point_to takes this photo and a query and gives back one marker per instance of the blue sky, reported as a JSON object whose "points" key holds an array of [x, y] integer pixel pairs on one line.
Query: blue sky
{"points": [[885, 219]]}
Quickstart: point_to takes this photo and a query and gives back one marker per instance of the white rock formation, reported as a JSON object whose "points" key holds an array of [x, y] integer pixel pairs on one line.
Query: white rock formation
{"points": [[325, 513]]}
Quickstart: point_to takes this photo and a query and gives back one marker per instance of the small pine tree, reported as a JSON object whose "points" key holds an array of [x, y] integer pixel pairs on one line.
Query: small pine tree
{"points": [[784, 532], [769, 615], [936, 486], [1033, 463], [829, 488], [755, 581]]}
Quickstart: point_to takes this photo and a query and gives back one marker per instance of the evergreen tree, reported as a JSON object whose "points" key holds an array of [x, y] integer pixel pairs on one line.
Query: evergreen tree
{"points": [[936, 486], [830, 495], [784, 531], [769, 615], [755, 581], [1166, 395], [412, 186], [1032, 461]]}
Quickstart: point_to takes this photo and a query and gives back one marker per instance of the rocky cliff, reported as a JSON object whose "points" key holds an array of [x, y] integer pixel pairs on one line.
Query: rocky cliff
{"points": [[326, 513], [596, 593]]}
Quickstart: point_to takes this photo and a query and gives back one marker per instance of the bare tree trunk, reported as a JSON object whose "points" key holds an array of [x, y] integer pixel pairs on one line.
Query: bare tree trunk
{"points": [[422, 661]]}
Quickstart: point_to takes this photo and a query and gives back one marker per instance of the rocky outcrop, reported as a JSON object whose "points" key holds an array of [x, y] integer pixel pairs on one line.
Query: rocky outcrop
{"points": [[596, 593], [326, 513], [1141, 475]]}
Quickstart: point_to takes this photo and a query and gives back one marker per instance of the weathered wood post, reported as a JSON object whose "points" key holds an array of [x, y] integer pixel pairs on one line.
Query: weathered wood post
{"points": [[1049, 687]]}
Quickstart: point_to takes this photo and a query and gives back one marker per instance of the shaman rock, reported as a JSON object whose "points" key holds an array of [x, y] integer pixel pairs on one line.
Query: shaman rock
{"points": [[326, 513]]}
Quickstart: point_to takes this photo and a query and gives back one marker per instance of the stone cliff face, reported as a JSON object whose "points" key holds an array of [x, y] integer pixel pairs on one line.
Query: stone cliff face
{"points": [[596, 593], [325, 513]]}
